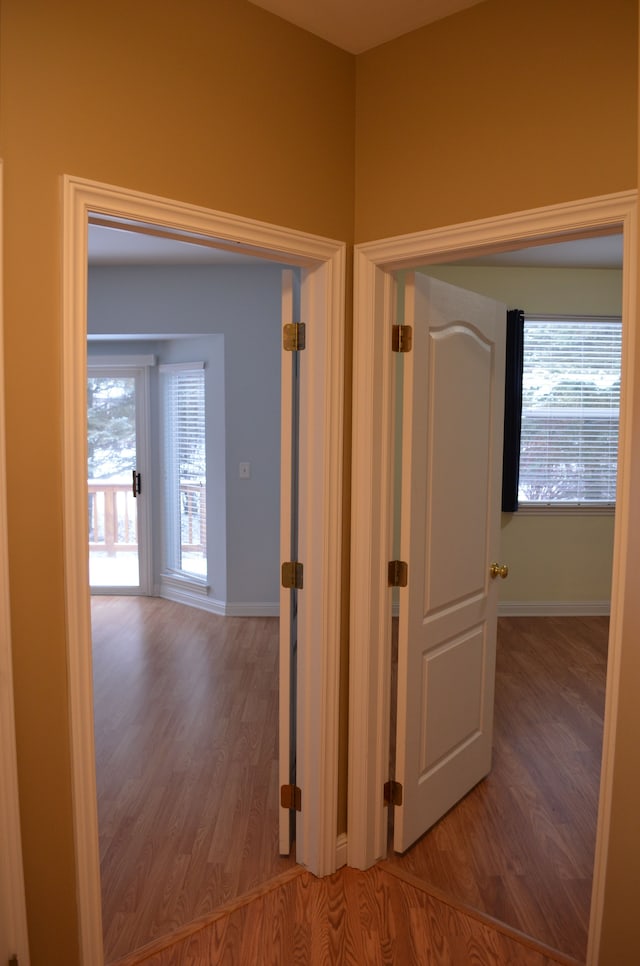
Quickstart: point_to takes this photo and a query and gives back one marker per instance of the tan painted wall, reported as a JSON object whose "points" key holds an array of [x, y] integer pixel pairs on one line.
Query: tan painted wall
{"points": [[504, 107], [551, 557], [507, 105], [218, 103], [213, 102], [620, 943]]}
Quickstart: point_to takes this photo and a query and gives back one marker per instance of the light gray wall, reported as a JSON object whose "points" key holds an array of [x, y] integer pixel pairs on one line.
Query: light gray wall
{"points": [[241, 306]]}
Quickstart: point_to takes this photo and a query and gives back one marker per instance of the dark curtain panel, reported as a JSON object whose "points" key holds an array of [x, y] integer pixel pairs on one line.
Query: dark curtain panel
{"points": [[512, 410]]}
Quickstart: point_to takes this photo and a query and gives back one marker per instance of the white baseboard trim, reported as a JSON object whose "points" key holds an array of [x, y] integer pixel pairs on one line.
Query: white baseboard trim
{"points": [[546, 608], [341, 850], [183, 596], [220, 607], [554, 608], [260, 609]]}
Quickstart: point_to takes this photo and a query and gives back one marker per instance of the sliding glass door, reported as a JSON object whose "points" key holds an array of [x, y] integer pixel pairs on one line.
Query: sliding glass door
{"points": [[117, 482]]}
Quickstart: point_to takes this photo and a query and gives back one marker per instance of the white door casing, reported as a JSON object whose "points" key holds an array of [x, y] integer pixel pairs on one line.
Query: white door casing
{"points": [[453, 392], [322, 263], [372, 489], [13, 918], [288, 598]]}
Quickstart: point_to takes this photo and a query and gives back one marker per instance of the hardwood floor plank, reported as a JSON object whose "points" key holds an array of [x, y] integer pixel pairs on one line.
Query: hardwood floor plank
{"points": [[217, 920], [520, 846], [188, 781], [523, 939], [351, 919], [186, 722]]}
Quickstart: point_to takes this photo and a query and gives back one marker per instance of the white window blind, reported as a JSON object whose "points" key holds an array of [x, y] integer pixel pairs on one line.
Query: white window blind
{"points": [[570, 411], [184, 466]]}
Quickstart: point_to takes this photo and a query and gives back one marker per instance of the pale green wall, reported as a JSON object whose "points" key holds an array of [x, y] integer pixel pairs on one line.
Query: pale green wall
{"points": [[551, 557], [557, 558], [550, 291]]}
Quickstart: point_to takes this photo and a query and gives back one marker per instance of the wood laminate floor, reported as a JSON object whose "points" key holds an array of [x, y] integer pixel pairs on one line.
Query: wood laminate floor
{"points": [[352, 918], [186, 745], [520, 846], [186, 723]]}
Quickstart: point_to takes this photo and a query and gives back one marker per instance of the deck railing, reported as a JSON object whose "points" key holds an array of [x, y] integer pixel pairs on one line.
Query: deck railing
{"points": [[193, 517], [113, 517]]}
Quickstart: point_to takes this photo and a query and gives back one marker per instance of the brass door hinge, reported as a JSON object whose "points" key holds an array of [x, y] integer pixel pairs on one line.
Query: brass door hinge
{"points": [[292, 575], [291, 797], [294, 336], [392, 793], [401, 338], [398, 573]]}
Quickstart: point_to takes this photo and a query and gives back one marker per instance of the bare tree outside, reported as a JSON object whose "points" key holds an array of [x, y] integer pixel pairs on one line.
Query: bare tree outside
{"points": [[570, 411]]}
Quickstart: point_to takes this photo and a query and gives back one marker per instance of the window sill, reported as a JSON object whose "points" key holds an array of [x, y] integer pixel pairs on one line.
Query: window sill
{"points": [[193, 584], [566, 509]]}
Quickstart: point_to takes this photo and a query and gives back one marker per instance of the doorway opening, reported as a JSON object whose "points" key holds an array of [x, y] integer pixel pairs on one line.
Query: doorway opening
{"points": [[321, 264], [370, 642], [207, 682], [520, 845]]}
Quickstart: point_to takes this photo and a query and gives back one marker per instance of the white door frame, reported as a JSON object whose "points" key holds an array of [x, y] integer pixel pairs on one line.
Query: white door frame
{"points": [[137, 369], [323, 272], [372, 493], [13, 917]]}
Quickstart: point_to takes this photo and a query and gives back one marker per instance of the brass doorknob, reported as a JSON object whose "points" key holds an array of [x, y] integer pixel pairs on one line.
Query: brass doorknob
{"points": [[497, 570]]}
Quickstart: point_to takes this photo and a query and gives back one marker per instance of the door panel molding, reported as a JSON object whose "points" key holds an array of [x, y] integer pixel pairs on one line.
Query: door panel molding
{"points": [[372, 492], [323, 282], [453, 389]]}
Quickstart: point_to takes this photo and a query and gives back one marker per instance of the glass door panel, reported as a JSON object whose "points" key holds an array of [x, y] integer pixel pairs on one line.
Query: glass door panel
{"points": [[113, 481]]}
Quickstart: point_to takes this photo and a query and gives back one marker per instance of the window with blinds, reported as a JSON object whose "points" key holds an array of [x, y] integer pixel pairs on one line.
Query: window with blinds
{"points": [[184, 470], [570, 411]]}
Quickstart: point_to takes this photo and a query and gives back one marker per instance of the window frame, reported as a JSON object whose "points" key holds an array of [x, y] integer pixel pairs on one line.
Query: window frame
{"points": [[171, 541], [558, 507]]}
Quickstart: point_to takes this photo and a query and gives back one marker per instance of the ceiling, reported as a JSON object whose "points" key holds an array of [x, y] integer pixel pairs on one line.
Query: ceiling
{"points": [[112, 245], [120, 246], [358, 25], [602, 251]]}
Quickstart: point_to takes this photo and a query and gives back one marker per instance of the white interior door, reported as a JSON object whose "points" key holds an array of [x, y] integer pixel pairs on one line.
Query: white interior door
{"points": [[450, 529], [289, 412]]}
